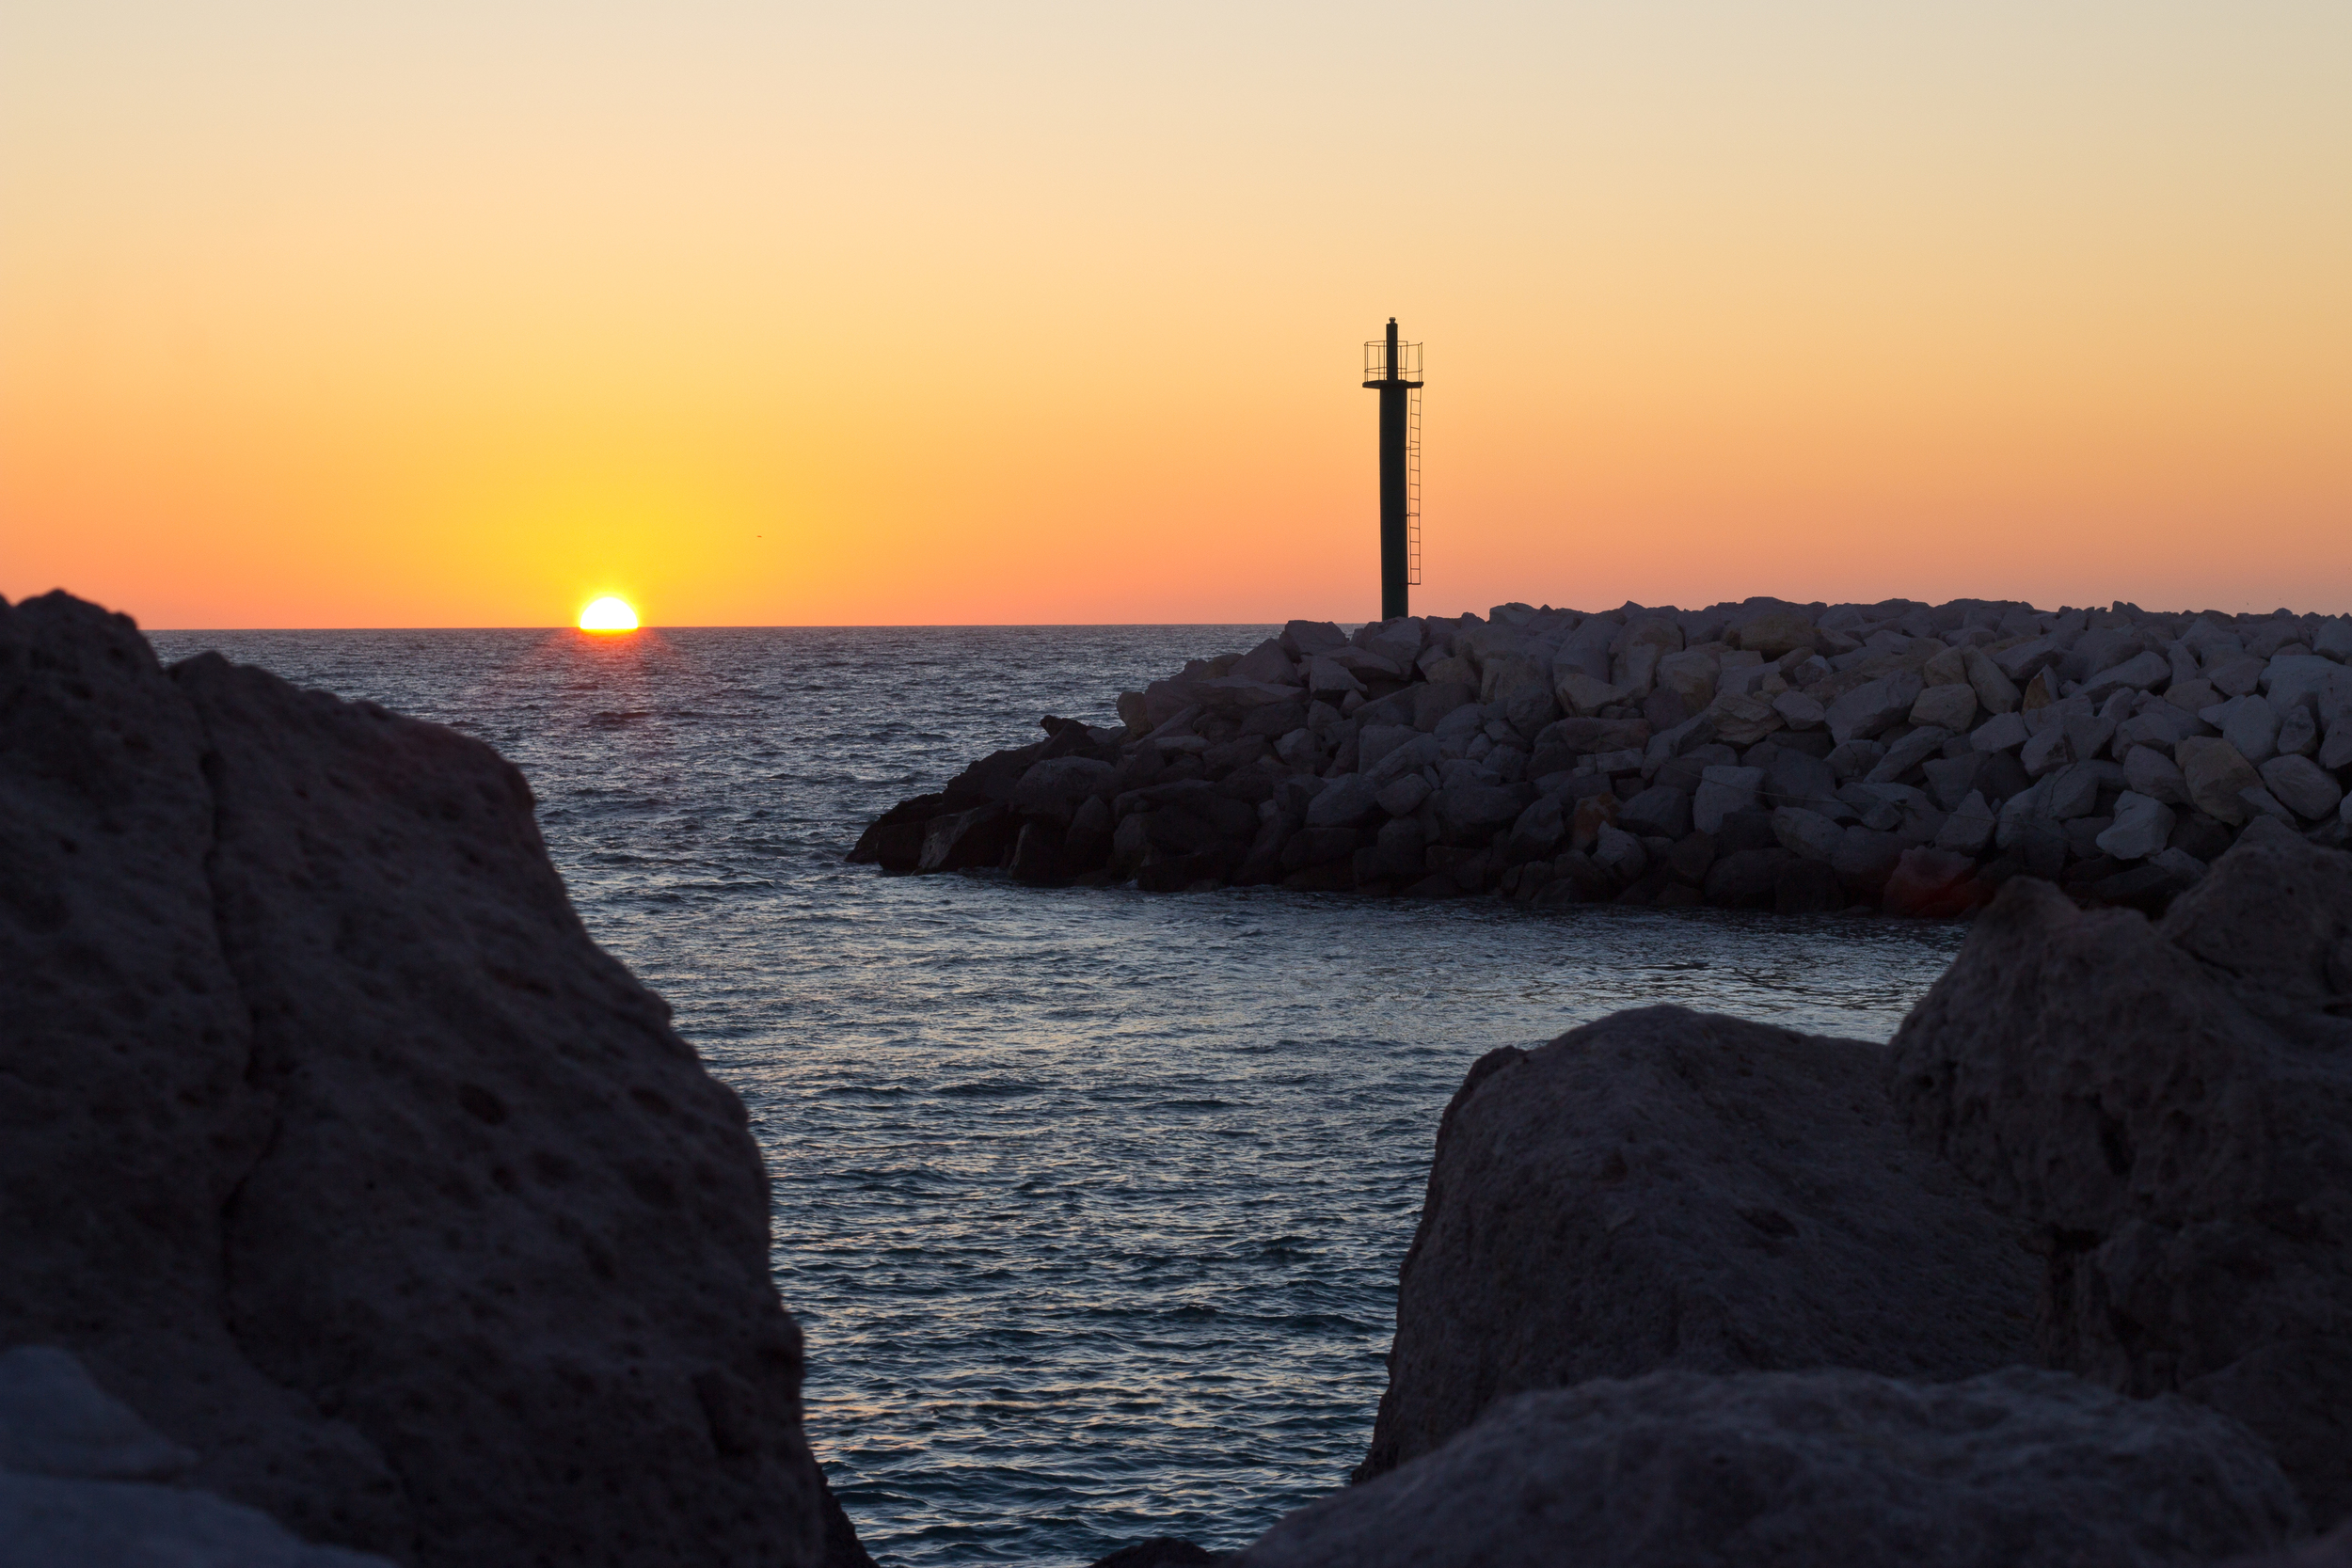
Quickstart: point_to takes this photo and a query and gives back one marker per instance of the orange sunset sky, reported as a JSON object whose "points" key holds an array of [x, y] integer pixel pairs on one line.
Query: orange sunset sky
{"points": [[443, 314]]}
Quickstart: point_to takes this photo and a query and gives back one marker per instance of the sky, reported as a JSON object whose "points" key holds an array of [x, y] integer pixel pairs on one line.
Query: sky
{"points": [[443, 314]]}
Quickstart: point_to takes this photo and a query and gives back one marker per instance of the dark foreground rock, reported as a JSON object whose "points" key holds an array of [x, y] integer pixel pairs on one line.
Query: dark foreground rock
{"points": [[85, 1482], [1161, 1551], [2170, 1105], [337, 1151], [1664, 1188], [1823, 1470], [2332, 1551], [1804, 759]]}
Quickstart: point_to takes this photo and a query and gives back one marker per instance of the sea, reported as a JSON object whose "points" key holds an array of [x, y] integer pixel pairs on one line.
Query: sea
{"points": [[1090, 1202]]}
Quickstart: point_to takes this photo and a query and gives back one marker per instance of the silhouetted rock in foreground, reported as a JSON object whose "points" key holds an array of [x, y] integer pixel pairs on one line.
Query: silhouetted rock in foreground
{"points": [[2172, 1106], [85, 1482], [1161, 1551], [1823, 1470], [1664, 1188], [336, 1149], [2332, 1551]]}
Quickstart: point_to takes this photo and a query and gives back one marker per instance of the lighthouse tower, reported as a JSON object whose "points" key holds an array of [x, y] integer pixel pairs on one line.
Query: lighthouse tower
{"points": [[1394, 369]]}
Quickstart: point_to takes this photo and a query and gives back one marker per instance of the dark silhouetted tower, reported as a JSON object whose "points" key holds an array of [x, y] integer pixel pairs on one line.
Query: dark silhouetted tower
{"points": [[1394, 369]]}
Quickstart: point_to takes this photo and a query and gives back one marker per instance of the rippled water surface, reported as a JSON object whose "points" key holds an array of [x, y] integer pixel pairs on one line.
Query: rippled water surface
{"points": [[1090, 1201]]}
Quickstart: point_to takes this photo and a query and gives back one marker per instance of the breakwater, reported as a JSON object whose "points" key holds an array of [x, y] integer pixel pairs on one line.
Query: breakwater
{"points": [[1803, 758]]}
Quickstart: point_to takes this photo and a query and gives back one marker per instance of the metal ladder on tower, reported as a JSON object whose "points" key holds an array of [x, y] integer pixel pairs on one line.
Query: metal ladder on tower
{"points": [[1412, 487]]}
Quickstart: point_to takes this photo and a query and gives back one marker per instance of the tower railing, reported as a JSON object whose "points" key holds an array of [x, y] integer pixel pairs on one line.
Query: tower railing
{"points": [[1377, 361]]}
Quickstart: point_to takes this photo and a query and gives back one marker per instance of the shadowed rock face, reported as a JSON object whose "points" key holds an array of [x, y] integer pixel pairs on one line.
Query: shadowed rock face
{"points": [[2333, 1551], [1664, 1188], [1821, 1469], [2172, 1106], [339, 1151]]}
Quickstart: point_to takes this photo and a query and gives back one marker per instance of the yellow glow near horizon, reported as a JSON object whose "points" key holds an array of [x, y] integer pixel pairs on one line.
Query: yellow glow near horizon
{"points": [[406, 315], [608, 614]]}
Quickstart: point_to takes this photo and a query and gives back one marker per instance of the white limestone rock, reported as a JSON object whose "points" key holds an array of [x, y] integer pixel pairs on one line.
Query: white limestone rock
{"points": [[1800, 711], [2003, 733], [2143, 825], [2260, 802], [1993, 690], [2335, 751], [2159, 724], [2302, 786], [1690, 676], [1620, 853], [2252, 729], [2216, 775], [2143, 672], [1743, 720], [1402, 796], [1266, 663], [1327, 676], [1949, 707], [1911, 752], [2298, 731], [1582, 695], [2334, 639], [1969, 828], [1869, 708], [2150, 772], [1808, 833], [1376, 741], [1349, 800], [2323, 684], [1722, 790]]}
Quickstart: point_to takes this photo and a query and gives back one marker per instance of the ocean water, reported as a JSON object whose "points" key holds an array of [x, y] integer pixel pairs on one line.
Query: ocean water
{"points": [[1090, 1202]]}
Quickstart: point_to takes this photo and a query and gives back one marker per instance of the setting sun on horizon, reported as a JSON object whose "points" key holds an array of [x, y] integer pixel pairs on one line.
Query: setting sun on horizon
{"points": [[608, 614]]}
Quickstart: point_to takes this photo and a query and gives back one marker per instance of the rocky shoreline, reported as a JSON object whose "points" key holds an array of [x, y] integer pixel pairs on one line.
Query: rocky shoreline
{"points": [[360, 1210], [1901, 756]]}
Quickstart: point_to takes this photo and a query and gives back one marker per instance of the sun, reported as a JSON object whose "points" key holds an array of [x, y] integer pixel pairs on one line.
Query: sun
{"points": [[608, 614]]}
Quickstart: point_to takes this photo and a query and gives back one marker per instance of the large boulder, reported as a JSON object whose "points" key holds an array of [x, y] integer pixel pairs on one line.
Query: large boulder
{"points": [[1830, 1468], [2216, 777], [2170, 1105], [1664, 1188], [1057, 787], [1470, 814], [339, 1151], [1520, 684], [1873, 706]]}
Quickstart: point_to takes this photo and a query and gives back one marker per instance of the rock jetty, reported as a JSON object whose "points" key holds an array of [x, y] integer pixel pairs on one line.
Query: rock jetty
{"points": [[1898, 757], [337, 1152]]}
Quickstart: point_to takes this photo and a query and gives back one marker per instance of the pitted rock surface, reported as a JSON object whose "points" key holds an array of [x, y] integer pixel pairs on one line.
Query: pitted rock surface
{"points": [[1823, 1470], [1664, 1188], [2172, 1106]]}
